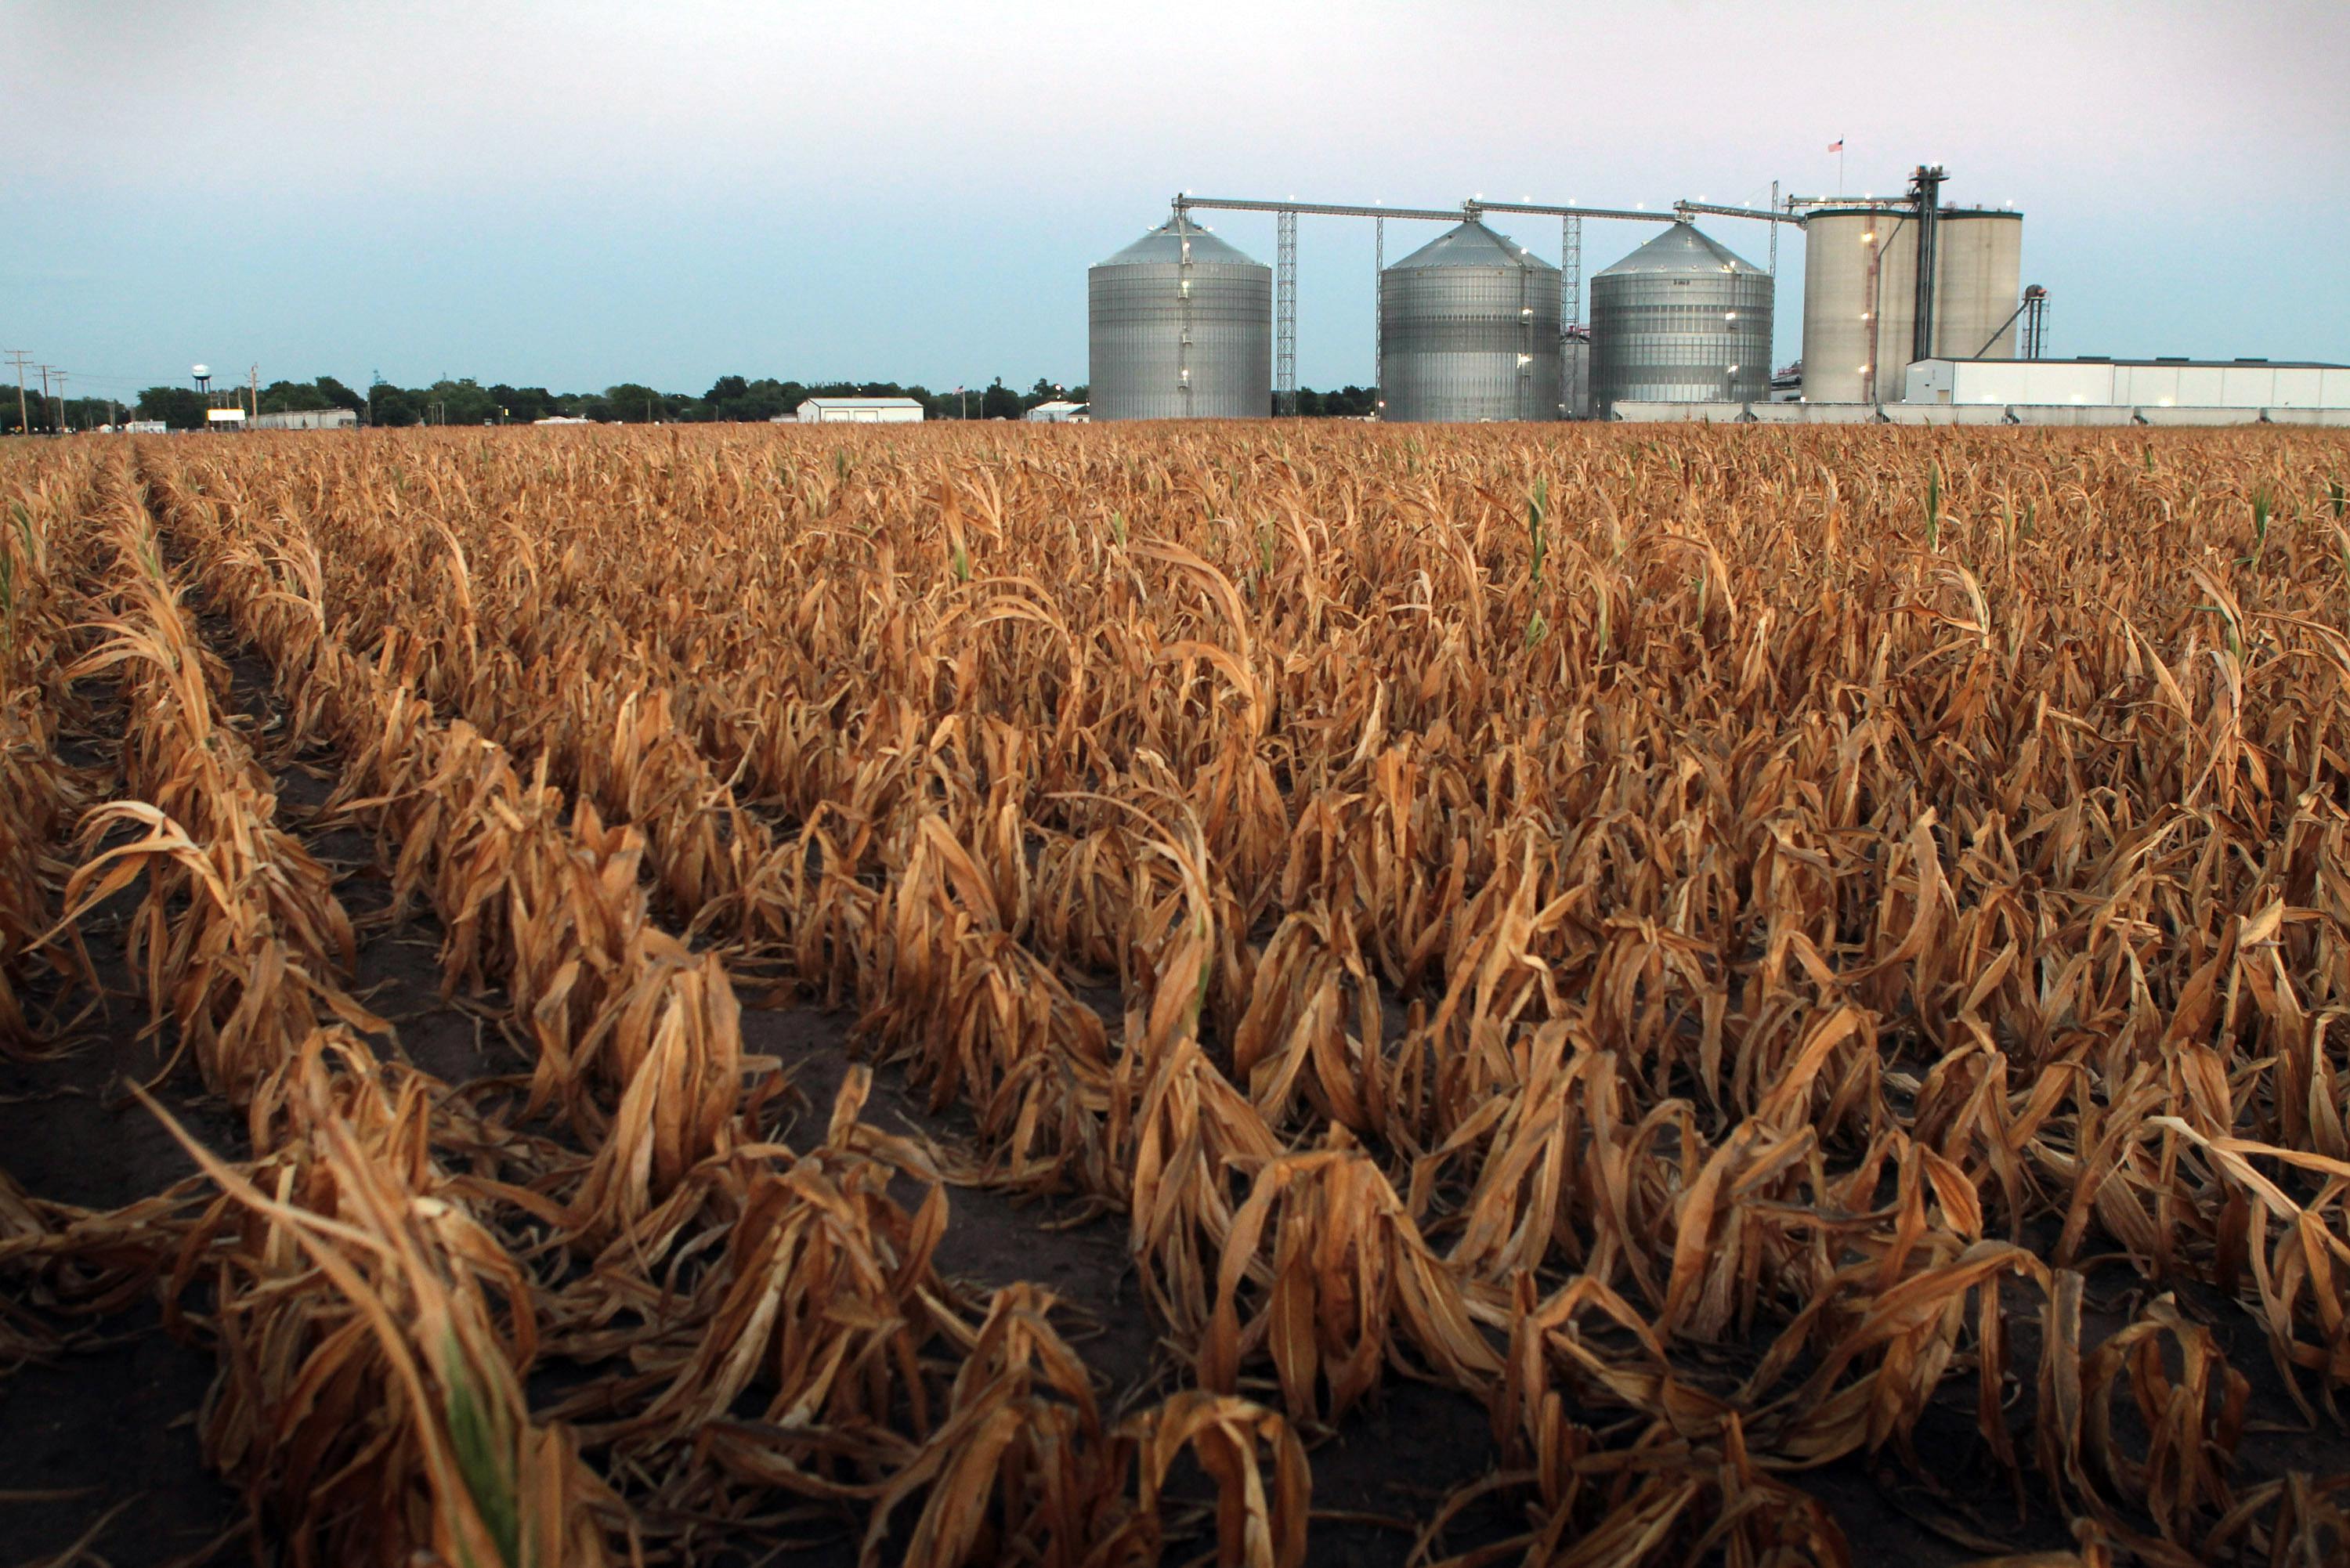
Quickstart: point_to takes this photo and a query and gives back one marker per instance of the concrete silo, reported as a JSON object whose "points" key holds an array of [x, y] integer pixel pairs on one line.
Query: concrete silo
{"points": [[1860, 280], [1180, 325], [1860, 271], [1977, 282], [1680, 320], [1468, 331]]}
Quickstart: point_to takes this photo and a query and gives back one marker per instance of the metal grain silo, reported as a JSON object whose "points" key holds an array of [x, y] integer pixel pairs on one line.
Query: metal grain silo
{"points": [[1468, 328], [1180, 325], [1679, 321], [1978, 280], [1860, 270]]}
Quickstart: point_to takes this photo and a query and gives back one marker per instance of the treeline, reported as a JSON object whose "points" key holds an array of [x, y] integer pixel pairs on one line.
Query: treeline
{"points": [[39, 413], [1346, 403], [467, 403]]}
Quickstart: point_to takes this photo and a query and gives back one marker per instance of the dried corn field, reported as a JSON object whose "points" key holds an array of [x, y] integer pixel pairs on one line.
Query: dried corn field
{"points": [[1258, 995]]}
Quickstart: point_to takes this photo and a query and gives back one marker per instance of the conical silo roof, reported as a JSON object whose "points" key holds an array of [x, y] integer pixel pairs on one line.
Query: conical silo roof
{"points": [[1163, 244], [1680, 249], [1471, 244]]}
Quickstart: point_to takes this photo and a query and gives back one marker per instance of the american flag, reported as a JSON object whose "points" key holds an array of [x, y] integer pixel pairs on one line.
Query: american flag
{"points": [[1837, 145]]}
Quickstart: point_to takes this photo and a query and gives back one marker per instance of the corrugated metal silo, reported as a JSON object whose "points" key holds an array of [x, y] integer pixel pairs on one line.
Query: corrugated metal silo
{"points": [[1860, 271], [1468, 328], [1679, 321], [1180, 325], [1977, 279]]}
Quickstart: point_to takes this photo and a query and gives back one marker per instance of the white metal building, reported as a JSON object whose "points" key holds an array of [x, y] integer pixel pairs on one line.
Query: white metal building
{"points": [[2131, 383], [860, 411], [309, 420], [1059, 411]]}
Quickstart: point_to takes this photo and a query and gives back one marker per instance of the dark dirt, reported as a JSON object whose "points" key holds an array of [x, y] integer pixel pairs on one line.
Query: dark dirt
{"points": [[114, 1418], [991, 1239], [108, 1423]]}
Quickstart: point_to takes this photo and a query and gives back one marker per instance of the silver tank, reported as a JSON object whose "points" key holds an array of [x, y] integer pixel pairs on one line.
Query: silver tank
{"points": [[1180, 325], [1468, 328], [1679, 321], [1978, 280]]}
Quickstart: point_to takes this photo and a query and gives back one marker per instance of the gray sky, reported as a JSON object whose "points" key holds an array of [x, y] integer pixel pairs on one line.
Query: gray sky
{"points": [[577, 194]]}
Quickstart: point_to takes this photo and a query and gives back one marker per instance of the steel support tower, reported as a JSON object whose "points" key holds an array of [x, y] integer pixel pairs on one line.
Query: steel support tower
{"points": [[1284, 315], [2035, 322], [1925, 193], [1571, 366]]}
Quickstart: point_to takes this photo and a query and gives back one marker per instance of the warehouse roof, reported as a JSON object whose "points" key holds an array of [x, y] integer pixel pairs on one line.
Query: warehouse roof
{"points": [[2160, 360]]}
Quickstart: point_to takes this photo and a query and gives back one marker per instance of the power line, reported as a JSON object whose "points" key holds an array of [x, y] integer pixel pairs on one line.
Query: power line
{"points": [[99, 377]]}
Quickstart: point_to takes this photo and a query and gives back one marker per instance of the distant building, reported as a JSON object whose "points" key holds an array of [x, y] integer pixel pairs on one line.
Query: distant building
{"points": [[146, 427], [859, 412], [564, 420], [309, 420], [1059, 412], [2179, 383]]}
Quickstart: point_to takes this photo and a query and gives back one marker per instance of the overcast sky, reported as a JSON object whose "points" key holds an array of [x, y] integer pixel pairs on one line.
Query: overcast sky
{"points": [[577, 194]]}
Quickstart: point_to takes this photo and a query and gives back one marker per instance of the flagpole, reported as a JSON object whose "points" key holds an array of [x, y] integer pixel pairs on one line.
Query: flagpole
{"points": [[1839, 168]]}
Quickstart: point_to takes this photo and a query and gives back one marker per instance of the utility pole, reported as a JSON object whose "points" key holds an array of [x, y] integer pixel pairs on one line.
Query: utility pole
{"points": [[61, 403], [257, 394], [17, 357]]}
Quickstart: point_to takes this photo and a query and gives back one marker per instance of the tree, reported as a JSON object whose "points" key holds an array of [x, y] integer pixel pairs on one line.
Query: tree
{"points": [[178, 406], [1349, 403], [521, 405], [632, 403], [37, 414], [463, 402], [390, 405], [292, 398], [999, 401], [338, 396]]}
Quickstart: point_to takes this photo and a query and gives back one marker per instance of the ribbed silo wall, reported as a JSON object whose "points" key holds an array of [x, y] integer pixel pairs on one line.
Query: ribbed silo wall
{"points": [[1679, 338], [1137, 314], [1470, 343]]}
